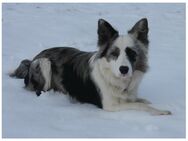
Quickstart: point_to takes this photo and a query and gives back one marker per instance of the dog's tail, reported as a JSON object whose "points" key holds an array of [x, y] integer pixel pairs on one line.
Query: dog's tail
{"points": [[22, 70]]}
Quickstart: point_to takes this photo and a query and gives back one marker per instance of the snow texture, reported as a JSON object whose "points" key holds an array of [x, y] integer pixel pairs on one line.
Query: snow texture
{"points": [[31, 28]]}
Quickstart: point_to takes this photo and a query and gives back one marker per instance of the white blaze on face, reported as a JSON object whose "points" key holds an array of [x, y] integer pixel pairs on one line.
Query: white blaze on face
{"points": [[122, 42]]}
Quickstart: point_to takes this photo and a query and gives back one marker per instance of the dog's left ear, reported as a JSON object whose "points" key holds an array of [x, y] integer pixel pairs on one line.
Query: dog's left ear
{"points": [[140, 31], [106, 32]]}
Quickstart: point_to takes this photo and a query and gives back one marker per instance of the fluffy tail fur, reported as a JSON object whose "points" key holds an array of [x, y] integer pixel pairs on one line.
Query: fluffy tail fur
{"points": [[22, 70]]}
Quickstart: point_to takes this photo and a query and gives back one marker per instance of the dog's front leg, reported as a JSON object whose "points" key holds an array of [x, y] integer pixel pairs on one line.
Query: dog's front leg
{"points": [[135, 106], [136, 79], [133, 88]]}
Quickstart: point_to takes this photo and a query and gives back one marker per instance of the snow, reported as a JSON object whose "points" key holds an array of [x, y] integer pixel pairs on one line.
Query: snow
{"points": [[30, 28]]}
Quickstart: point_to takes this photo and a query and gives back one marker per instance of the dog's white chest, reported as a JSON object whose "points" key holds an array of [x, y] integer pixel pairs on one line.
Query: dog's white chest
{"points": [[110, 86]]}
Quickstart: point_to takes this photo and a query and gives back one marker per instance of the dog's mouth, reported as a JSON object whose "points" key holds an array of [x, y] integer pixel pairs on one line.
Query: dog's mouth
{"points": [[125, 76]]}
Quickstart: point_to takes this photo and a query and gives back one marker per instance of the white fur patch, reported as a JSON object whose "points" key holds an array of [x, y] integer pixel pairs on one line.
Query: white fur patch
{"points": [[134, 84], [45, 66]]}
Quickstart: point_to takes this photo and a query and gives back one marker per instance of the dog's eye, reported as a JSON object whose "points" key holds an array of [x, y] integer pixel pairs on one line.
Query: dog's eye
{"points": [[115, 53], [131, 54]]}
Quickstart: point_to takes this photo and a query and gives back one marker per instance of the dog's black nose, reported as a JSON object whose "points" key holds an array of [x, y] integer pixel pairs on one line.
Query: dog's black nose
{"points": [[124, 69]]}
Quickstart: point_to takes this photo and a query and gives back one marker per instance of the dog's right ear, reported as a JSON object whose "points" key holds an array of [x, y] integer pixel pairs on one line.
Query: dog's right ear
{"points": [[106, 32]]}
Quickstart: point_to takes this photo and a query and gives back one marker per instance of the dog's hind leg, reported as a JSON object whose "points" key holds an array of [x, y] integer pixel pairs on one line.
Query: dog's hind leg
{"points": [[22, 70], [45, 67], [39, 76]]}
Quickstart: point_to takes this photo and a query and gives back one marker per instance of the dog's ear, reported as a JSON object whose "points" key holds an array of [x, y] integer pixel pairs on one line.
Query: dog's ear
{"points": [[106, 32], [140, 31]]}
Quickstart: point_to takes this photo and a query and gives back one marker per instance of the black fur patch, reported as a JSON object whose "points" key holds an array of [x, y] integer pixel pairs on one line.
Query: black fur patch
{"points": [[106, 35], [131, 54], [105, 32], [82, 90]]}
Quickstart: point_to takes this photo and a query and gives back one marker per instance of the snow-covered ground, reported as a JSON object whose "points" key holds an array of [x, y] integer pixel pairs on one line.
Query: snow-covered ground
{"points": [[30, 28]]}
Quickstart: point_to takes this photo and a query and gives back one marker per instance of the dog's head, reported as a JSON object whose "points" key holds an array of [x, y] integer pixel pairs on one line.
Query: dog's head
{"points": [[122, 52]]}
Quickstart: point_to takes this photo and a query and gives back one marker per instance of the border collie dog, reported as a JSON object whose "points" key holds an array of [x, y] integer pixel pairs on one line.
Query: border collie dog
{"points": [[108, 78]]}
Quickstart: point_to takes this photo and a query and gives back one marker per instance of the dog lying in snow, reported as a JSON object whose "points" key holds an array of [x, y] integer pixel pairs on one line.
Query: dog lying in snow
{"points": [[108, 78]]}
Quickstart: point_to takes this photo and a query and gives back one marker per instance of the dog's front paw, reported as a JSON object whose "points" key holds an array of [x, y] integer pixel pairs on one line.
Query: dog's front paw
{"points": [[38, 93], [158, 113]]}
